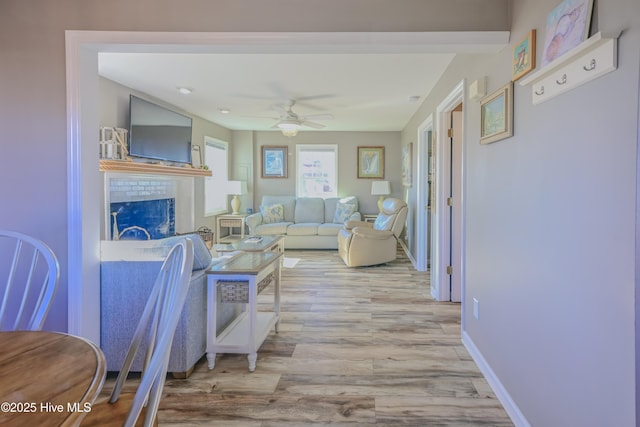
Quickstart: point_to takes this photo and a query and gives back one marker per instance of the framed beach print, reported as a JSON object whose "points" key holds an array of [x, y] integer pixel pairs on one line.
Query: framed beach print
{"points": [[274, 161], [567, 26], [370, 162], [407, 154], [524, 56], [496, 115]]}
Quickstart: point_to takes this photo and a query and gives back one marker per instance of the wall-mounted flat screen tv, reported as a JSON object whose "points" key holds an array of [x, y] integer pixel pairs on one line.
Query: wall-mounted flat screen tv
{"points": [[155, 132]]}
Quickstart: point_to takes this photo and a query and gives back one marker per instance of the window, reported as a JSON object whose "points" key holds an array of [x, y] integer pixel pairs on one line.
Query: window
{"points": [[317, 171], [216, 158]]}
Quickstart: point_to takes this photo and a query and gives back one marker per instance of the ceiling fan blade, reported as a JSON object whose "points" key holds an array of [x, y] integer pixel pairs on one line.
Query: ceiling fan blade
{"points": [[259, 117], [318, 117], [281, 109], [312, 125]]}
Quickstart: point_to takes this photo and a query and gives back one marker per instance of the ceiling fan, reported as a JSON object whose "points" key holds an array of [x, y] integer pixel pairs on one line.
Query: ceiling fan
{"points": [[290, 122]]}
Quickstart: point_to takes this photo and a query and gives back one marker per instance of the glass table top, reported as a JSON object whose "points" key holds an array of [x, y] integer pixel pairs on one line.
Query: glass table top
{"points": [[245, 263], [249, 244]]}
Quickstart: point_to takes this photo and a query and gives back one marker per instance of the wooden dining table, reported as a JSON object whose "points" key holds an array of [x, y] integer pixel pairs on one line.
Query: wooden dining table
{"points": [[48, 378]]}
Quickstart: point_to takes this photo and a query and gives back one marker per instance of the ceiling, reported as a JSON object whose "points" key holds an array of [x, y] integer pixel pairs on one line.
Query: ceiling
{"points": [[374, 90]]}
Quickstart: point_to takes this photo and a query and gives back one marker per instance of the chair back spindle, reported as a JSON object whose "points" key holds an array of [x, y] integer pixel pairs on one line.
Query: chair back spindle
{"points": [[28, 281]]}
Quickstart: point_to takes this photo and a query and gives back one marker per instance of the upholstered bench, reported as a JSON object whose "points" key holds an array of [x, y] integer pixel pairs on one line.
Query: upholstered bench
{"points": [[128, 271]]}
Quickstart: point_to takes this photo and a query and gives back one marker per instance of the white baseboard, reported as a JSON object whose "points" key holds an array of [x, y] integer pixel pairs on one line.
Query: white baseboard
{"points": [[501, 393], [403, 245]]}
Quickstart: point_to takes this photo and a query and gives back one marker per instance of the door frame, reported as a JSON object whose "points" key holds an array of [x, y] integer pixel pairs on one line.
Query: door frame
{"points": [[441, 223], [83, 177], [422, 197]]}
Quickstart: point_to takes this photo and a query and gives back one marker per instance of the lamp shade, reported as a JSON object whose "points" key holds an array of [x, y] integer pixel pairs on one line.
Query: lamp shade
{"points": [[380, 188], [237, 188]]}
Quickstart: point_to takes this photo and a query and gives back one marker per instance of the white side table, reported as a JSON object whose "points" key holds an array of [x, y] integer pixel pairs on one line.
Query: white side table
{"points": [[239, 280], [369, 217], [230, 221]]}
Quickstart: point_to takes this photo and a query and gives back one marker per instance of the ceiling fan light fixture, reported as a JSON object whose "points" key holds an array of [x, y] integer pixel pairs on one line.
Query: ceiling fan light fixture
{"points": [[289, 127]]}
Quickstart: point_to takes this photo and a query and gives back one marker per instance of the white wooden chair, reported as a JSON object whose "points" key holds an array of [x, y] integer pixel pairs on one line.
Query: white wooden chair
{"points": [[156, 328], [29, 275]]}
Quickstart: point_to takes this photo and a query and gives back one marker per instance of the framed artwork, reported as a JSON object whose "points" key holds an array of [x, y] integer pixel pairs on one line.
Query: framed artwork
{"points": [[567, 27], [524, 56], [274, 161], [196, 157], [370, 162], [407, 155], [496, 115]]}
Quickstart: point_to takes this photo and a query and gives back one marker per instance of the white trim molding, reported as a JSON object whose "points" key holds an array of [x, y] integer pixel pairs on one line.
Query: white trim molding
{"points": [[501, 392]]}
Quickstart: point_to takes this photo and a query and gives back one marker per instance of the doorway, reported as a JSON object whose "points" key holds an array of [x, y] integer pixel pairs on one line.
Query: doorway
{"points": [[447, 258], [83, 178]]}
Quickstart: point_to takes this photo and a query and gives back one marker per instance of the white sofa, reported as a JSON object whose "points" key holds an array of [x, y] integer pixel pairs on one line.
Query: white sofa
{"points": [[306, 222]]}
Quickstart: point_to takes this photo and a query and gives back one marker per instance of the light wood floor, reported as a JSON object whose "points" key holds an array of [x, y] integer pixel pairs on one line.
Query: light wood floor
{"points": [[356, 347]]}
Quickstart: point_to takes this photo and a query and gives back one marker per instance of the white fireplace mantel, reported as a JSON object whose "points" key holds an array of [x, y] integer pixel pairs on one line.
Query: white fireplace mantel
{"points": [[149, 168]]}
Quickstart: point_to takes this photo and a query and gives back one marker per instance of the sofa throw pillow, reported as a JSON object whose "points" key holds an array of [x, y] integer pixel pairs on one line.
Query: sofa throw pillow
{"points": [[343, 212], [272, 213]]}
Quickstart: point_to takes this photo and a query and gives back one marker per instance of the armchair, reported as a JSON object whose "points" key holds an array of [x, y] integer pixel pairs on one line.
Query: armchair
{"points": [[363, 243]]}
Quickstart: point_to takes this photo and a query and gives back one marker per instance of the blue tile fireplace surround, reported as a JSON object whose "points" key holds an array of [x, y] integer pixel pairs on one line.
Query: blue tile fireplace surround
{"points": [[143, 219], [147, 207]]}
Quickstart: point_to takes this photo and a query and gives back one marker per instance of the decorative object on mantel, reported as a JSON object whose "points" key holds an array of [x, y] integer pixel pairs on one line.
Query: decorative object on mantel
{"points": [[496, 115], [236, 188], [113, 143], [593, 58], [567, 26], [524, 56], [196, 156], [380, 188]]}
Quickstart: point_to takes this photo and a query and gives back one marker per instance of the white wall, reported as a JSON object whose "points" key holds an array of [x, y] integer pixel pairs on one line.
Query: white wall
{"points": [[550, 221]]}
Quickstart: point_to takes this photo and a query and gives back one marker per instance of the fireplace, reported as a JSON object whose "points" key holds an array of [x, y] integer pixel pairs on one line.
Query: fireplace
{"points": [[143, 219], [147, 207]]}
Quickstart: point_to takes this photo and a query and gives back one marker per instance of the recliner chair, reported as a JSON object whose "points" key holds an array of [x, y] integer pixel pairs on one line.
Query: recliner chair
{"points": [[364, 243]]}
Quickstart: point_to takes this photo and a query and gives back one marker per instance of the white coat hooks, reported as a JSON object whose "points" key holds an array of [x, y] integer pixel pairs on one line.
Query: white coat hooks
{"points": [[591, 59]]}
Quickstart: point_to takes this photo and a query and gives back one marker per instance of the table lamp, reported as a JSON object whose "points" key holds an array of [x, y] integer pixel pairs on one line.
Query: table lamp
{"points": [[236, 188], [380, 188]]}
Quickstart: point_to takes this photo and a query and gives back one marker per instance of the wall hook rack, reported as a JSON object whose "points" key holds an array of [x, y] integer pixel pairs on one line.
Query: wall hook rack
{"points": [[591, 59]]}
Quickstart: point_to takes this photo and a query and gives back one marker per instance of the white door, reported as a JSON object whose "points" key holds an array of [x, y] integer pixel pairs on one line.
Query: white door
{"points": [[447, 205]]}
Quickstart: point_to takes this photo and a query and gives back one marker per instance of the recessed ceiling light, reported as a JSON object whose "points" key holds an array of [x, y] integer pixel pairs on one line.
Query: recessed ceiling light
{"points": [[185, 90], [225, 110], [414, 98]]}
